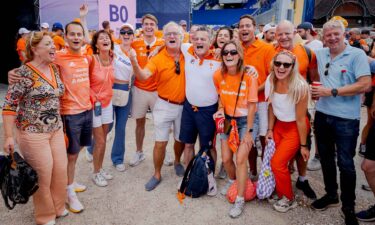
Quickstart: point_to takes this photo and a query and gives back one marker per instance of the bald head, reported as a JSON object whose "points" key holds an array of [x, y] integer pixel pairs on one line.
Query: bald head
{"points": [[285, 33]]}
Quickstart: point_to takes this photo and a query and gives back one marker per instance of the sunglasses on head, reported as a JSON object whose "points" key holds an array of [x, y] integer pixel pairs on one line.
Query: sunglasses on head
{"points": [[231, 52], [285, 64], [128, 32], [177, 70]]}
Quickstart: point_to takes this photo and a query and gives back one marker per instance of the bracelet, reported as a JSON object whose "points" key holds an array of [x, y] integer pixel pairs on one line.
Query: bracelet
{"points": [[303, 146], [269, 129]]}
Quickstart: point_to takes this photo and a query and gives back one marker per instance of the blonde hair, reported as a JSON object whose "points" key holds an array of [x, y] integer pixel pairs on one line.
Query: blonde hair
{"points": [[33, 40], [297, 85]]}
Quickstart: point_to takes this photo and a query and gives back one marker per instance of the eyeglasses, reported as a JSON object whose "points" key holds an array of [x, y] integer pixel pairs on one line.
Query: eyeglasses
{"points": [[177, 70], [284, 64], [169, 34], [326, 71], [231, 52], [128, 32], [148, 50]]}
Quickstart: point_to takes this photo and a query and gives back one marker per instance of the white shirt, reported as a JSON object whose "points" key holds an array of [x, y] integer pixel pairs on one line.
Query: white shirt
{"points": [[122, 65], [283, 107], [200, 88], [314, 45]]}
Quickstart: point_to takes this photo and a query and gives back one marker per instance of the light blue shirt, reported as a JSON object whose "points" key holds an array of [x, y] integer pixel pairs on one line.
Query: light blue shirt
{"points": [[343, 70]]}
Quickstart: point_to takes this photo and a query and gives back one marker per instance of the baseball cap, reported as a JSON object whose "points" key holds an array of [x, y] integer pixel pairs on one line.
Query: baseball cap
{"points": [[307, 26], [182, 22], [57, 26], [128, 25], [343, 21], [44, 25], [23, 30], [268, 26]]}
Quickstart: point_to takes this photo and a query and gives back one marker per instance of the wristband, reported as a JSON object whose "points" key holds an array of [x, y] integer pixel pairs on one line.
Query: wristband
{"points": [[303, 146]]}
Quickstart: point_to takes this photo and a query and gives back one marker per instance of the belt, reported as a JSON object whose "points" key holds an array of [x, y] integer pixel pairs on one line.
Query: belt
{"points": [[170, 101]]}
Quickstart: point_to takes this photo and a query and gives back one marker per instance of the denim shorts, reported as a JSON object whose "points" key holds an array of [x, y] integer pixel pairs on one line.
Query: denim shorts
{"points": [[242, 126]]}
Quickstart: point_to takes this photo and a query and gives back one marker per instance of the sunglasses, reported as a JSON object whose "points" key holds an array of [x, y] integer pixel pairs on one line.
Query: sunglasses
{"points": [[231, 52], [326, 71], [128, 32], [284, 64], [148, 50], [177, 70]]}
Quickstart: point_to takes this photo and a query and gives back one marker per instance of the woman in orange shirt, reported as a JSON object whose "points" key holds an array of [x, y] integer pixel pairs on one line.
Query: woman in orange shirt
{"points": [[238, 95], [101, 82]]}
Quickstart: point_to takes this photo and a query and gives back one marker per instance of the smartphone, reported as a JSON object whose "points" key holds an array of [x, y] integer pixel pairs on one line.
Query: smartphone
{"points": [[98, 109]]}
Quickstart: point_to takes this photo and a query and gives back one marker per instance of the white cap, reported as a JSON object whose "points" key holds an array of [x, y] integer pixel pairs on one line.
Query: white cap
{"points": [[127, 25], [23, 30], [268, 26], [44, 25]]}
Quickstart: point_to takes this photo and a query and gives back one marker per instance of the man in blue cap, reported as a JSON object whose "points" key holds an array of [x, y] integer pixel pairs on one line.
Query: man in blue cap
{"points": [[58, 35]]}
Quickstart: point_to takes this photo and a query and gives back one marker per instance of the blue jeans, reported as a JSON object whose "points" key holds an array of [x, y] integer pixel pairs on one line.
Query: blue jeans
{"points": [[242, 126], [120, 119], [337, 134]]}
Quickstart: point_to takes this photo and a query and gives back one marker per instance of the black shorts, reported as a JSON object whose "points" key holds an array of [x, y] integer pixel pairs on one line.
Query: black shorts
{"points": [[368, 98], [79, 130], [370, 144]]}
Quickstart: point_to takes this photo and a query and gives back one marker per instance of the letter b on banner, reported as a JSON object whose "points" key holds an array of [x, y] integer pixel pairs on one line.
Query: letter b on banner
{"points": [[118, 13]]}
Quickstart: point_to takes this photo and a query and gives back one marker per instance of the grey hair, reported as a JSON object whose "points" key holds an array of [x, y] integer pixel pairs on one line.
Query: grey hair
{"points": [[333, 24], [180, 30], [356, 30], [208, 30]]}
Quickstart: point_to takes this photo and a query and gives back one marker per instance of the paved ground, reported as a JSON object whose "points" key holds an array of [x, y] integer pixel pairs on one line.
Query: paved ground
{"points": [[125, 201]]}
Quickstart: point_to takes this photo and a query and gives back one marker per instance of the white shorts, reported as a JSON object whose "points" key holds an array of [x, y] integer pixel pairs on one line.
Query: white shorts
{"points": [[142, 101], [263, 118], [165, 115], [105, 118]]}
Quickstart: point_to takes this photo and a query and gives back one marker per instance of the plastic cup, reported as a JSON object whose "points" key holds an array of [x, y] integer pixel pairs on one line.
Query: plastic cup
{"points": [[316, 83], [219, 121]]}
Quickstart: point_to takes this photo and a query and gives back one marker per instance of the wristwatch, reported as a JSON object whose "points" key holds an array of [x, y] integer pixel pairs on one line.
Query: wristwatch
{"points": [[334, 92], [251, 130]]}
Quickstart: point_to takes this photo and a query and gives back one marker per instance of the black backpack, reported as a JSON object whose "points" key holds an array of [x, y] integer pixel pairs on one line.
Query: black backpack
{"points": [[18, 180], [195, 181]]}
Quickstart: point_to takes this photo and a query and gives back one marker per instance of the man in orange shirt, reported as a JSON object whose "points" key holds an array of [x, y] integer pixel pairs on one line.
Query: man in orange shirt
{"points": [[144, 91], [259, 54], [21, 43], [58, 35], [356, 41], [307, 67], [167, 69]]}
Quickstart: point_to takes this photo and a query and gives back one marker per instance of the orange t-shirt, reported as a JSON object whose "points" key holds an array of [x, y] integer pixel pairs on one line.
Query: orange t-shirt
{"points": [[259, 54], [59, 42], [169, 84], [227, 88], [74, 70], [159, 34], [21, 47], [186, 37], [142, 51], [101, 81], [303, 60], [87, 50]]}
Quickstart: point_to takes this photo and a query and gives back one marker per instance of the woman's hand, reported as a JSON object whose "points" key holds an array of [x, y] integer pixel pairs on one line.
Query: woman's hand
{"points": [[219, 113], [132, 54], [13, 76], [9, 145], [83, 10], [248, 140], [217, 54], [269, 135], [305, 153]]}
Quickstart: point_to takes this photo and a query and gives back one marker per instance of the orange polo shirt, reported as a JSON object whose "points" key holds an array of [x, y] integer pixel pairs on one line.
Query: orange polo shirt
{"points": [[303, 60], [142, 51], [170, 85], [21, 47], [227, 88], [259, 54], [74, 73]]}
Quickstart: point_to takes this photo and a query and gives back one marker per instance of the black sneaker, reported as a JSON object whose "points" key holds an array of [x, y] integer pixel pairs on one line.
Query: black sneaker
{"points": [[367, 215], [349, 216], [325, 202], [305, 187]]}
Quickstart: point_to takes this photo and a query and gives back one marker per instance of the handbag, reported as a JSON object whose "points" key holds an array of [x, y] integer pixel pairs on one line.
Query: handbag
{"points": [[18, 180], [120, 97], [266, 180]]}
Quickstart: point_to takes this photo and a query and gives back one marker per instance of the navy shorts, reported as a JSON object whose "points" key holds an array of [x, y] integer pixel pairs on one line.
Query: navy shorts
{"points": [[79, 130], [198, 122]]}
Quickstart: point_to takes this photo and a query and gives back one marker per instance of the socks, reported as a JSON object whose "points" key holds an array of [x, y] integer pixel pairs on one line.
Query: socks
{"points": [[70, 190], [231, 181], [302, 178], [238, 199]]}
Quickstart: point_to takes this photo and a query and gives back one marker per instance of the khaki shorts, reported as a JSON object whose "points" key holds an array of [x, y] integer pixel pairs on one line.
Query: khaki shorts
{"points": [[142, 101]]}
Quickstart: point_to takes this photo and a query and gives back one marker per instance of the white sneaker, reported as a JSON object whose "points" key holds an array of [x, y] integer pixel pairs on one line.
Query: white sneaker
{"points": [[284, 205], [64, 214], [74, 204], [79, 187], [89, 156], [105, 174], [137, 158], [52, 222], [222, 173], [237, 208], [120, 167], [226, 187], [168, 161], [314, 164], [99, 180]]}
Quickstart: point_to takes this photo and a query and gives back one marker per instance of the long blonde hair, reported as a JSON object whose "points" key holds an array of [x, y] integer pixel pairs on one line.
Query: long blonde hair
{"points": [[297, 85]]}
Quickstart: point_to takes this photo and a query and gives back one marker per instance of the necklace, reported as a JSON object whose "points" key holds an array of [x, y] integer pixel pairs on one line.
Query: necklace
{"points": [[104, 62]]}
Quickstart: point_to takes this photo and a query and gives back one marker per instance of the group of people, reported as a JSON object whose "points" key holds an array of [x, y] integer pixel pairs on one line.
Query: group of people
{"points": [[62, 101]]}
